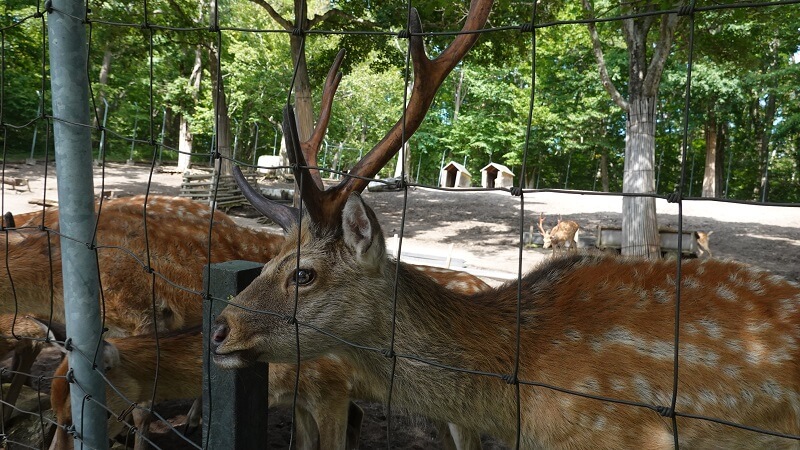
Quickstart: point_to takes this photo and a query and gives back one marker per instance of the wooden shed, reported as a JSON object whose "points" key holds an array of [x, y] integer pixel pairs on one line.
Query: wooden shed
{"points": [[496, 176], [454, 175]]}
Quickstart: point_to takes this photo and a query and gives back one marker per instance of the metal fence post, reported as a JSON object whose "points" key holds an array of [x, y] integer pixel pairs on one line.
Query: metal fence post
{"points": [[234, 401], [72, 133]]}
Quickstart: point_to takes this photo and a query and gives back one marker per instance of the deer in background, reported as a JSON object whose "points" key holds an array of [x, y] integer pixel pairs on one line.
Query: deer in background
{"points": [[587, 325], [178, 238], [326, 417], [560, 235], [702, 242]]}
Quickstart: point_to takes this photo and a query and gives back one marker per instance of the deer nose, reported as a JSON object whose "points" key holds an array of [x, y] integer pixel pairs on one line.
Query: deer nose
{"points": [[219, 335]]}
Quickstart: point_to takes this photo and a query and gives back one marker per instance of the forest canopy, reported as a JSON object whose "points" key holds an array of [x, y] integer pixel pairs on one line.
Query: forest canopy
{"points": [[743, 117]]}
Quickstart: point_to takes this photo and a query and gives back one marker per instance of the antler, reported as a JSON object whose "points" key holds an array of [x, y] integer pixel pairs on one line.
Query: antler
{"points": [[541, 222], [325, 206]]}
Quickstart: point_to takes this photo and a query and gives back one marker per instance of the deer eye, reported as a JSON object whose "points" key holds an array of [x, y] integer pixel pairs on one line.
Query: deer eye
{"points": [[303, 277]]}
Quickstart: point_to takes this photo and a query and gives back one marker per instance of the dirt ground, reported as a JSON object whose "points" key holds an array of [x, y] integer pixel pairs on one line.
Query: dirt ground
{"points": [[478, 231]]}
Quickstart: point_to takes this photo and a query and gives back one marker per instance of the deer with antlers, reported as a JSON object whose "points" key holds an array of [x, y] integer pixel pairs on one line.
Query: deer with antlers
{"points": [[326, 417], [569, 356], [560, 235]]}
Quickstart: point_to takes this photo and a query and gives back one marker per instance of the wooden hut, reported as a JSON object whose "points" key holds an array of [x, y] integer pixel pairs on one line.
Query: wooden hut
{"points": [[496, 176], [454, 175]]}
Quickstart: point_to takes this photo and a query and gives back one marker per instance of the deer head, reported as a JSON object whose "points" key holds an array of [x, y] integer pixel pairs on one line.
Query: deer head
{"points": [[239, 336]]}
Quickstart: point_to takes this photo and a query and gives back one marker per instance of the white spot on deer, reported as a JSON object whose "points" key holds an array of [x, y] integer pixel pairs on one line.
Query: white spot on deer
{"points": [[457, 286], [773, 389], [757, 327], [726, 293], [588, 386], [731, 370], [755, 352], [642, 388], [691, 282], [690, 328], [756, 287], [618, 385], [623, 336], [662, 296], [707, 397], [747, 395], [694, 354], [711, 328], [701, 267], [573, 335]]}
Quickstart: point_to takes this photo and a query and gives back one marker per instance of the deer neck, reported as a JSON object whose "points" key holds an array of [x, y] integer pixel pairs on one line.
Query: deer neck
{"points": [[444, 328]]}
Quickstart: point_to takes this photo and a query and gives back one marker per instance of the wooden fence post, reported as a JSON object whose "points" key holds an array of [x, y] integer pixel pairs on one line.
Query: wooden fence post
{"points": [[234, 401]]}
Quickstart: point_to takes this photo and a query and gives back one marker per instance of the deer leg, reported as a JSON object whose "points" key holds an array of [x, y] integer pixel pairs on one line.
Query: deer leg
{"points": [[332, 420], [464, 439], [193, 417], [21, 365], [306, 436], [355, 417], [142, 417]]}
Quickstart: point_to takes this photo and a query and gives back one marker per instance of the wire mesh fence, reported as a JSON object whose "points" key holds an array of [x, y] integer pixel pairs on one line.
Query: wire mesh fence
{"points": [[151, 250]]}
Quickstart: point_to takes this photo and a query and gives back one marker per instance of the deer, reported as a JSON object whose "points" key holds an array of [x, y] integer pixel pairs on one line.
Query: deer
{"points": [[326, 416], [120, 226], [123, 259], [560, 235], [702, 242], [26, 337], [570, 355]]}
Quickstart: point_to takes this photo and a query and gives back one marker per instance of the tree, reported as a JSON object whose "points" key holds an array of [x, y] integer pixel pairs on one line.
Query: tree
{"points": [[639, 223]]}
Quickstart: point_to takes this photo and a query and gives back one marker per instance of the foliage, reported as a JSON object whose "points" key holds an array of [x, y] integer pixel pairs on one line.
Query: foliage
{"points": [[742, 60]]}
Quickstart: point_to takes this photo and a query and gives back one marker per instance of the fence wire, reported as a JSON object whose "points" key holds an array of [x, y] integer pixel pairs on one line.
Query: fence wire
{"points": [[40, 225]]}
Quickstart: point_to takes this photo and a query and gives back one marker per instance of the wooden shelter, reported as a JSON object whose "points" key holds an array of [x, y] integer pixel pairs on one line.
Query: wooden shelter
{"points": [[496, 176], [454, 175]]}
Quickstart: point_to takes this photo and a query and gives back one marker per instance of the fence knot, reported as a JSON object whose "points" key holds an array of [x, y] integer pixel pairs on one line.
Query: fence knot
{"points": [[298, 32], [48, 6], [510, 379], [214, 28], [149, 270], [68, 344], [686, 10], [516, 191], [674, 197], [72, 431], [389, 353], [291, 320], [38, 14], [526, 28], [3, 370], [665, 411], [70, 376], [124, 413], [399, 183], [404, 34]]}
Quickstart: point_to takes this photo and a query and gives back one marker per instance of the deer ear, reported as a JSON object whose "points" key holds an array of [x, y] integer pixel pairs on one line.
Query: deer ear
{"points": [[361, 230]]}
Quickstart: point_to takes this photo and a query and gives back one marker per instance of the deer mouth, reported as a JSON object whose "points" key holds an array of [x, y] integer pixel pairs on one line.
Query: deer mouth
{"points": [[234, 359]]}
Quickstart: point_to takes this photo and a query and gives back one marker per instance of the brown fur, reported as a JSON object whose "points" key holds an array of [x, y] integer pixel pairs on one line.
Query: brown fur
{"points": [[594, 325], [326, 385], [178, 234]]}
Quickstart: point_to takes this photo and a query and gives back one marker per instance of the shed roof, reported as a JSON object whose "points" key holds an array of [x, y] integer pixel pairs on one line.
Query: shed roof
{"points": [[499, 167], [458, 167]]}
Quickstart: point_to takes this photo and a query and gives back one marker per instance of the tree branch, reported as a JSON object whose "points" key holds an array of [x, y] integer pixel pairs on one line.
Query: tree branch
{"points": [[657, 63], [287, 25], [601, 62], [319, 18]]}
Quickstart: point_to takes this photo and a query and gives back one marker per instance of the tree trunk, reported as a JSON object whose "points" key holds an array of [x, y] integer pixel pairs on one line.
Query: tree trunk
{"points": [[639, 223], [185, 133], [303, 105], [765, 136], [604, 168], [105, 70], [223, 123], [710, 184]]}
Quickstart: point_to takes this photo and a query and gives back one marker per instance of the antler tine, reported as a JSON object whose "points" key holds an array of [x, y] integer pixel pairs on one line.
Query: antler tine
{"points": [[313, 196], [311, 146], [284, 216], [428, 77]]}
